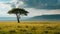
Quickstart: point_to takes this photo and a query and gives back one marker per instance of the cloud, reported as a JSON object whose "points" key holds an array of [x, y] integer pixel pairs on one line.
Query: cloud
{"points": [[43, 4], [5, 6], [38, 12], [48, 12], [16, 3], [4, 1], [4, 9], [34, 7]]}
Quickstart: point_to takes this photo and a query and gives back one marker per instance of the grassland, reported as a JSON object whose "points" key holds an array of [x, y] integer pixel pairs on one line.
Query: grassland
{"points": [[49, 27]]}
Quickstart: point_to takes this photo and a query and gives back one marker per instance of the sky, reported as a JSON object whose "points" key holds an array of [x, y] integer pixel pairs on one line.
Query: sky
{"points": [[34, 7]]}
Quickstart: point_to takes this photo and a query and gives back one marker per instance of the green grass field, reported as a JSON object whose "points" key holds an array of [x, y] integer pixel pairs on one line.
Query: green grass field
{"points": [[30, 27]]}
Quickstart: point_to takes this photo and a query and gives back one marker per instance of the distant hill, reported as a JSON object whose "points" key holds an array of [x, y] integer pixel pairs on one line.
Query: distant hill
{"points": [[46, 17], [35, 18]]}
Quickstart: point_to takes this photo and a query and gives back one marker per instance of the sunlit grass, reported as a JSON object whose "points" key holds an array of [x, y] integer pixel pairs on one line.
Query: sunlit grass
{"points": [[48, 27]]}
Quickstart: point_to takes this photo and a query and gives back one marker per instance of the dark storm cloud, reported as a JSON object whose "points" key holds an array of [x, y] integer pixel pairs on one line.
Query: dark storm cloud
{"points": [[43, 4]]}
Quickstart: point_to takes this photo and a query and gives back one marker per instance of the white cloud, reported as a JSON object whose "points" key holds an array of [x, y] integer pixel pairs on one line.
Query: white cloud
{"points": [[4, 8], [48, 12], [37, 12], [32, 12], [20, 5], [17, 3]]}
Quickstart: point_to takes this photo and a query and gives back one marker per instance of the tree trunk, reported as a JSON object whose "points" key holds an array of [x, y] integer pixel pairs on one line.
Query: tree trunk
{"points": [[18, 18]]}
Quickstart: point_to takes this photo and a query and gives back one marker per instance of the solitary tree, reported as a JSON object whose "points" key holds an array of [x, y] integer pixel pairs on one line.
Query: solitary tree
{"points": [[18, 12]]}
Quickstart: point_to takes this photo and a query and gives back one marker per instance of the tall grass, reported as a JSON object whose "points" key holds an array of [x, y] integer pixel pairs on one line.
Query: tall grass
{"points": [[30, 28]]}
